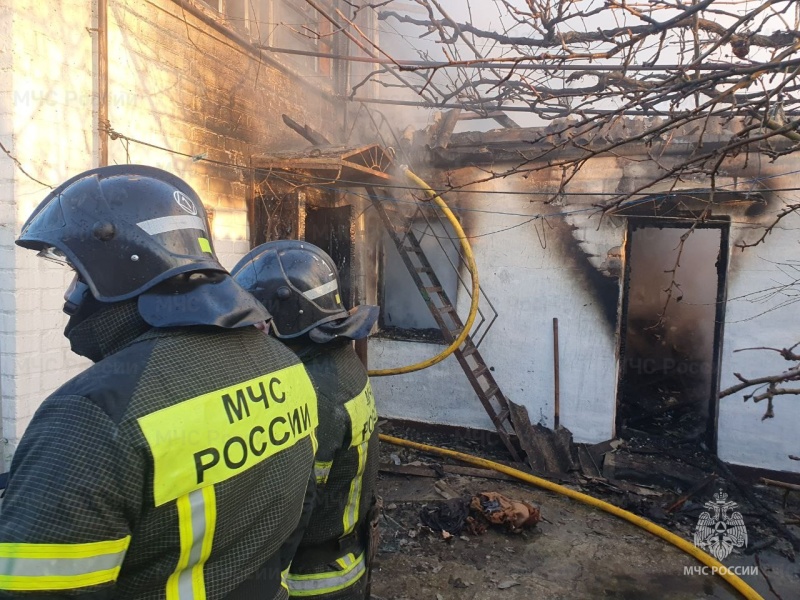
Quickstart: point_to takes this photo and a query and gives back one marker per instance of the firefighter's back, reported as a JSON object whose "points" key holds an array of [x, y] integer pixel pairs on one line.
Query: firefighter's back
{"points": [[346, 471], [177, 466], [228, 419], [203, 439], [298, 284]]}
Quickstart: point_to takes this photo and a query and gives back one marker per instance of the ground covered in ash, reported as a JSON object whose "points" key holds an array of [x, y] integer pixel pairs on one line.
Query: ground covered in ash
{"points": [[575, 551]]}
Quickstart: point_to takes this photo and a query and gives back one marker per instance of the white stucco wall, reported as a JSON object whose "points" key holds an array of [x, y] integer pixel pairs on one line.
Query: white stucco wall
{"points": [[47, 127], [756, 317], [524, 274]]}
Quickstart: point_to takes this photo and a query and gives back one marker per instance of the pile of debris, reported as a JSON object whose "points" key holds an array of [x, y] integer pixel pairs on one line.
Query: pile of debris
{"points": [[478, 513], [653, 477]]}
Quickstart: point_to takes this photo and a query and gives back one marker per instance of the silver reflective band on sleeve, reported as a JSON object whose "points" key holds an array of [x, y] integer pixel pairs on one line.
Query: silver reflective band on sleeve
{"points": [[164, 224], [321, 290], [59, 567], [47, 567], [325, 583], [198, 511]]}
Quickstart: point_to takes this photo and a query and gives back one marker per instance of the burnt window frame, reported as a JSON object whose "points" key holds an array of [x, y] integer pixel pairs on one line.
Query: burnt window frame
{"points": [[429, 335]]}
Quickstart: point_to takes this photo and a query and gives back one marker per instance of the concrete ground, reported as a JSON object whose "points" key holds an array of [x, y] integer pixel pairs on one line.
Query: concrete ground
{"points": [[576, 552]]}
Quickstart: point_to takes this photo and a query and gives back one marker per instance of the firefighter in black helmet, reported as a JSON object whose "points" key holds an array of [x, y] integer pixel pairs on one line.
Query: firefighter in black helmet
{"points": [[177, 466], [298, 283]]}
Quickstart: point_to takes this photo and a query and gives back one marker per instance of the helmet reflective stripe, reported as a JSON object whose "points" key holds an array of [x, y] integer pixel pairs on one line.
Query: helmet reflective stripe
{"points": [[164, 224], [325, 288]]}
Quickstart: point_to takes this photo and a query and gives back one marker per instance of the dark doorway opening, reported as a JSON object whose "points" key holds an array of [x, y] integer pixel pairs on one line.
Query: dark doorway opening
{"points": [[332, 230], [672, 316]]}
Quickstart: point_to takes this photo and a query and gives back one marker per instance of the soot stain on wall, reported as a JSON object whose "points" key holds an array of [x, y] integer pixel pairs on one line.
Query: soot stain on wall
{"points": [[603, 289]]}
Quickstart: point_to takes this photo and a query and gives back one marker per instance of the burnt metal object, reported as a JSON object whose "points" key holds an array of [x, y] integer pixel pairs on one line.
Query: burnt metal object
{"points": [[312, 135], [331, 167], [651, 469], [678, 504], [437, 470]]}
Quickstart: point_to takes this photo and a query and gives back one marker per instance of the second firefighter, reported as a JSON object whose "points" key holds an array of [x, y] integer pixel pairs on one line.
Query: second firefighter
{"points": [[298, 283]]}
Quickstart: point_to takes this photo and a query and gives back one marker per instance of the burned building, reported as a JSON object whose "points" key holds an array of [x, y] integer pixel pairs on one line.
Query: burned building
{"points": [[654, 300], [184, 85]]}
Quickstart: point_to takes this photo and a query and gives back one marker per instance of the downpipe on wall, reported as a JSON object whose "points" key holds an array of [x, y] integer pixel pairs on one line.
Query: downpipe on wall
{"points": [[103, 123]]}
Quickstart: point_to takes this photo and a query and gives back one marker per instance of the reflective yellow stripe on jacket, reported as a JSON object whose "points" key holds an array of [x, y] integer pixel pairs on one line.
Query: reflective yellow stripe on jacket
{"points": [[285, 578], [322, 469], [40, 567], [363, 418], [197, 517], [317, 584]]}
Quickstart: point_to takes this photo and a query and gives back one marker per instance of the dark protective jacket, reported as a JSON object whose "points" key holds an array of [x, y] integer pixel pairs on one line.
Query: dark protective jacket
{"points": [[330, 562], [175, 468]]}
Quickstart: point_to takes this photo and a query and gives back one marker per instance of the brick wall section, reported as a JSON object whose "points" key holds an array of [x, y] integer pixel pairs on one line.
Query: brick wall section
{"points": [[174, 82], [48, 128], [7, 224], [205, 94]]}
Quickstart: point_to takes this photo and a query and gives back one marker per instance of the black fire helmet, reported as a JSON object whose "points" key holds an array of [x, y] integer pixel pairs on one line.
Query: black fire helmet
{"points": [[135, 230], [298, 284]]}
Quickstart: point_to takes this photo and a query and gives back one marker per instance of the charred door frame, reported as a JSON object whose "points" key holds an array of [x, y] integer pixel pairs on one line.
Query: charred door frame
{"points": [[723, 224]]}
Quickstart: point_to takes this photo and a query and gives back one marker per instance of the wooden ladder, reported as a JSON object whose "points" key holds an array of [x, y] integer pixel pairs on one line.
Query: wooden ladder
{"points": [[444, 313]]}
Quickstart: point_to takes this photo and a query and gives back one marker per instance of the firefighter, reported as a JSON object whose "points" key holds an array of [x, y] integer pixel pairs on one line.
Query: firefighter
{"points": [[177, 466], [298, 283]]}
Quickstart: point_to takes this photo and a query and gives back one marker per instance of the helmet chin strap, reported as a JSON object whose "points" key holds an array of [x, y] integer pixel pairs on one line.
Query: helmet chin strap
{"points": [[75, 295]]}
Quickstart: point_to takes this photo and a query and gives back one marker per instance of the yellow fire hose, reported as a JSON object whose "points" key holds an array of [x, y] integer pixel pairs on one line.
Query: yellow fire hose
{"points": [[716, 567], [473, 269]]}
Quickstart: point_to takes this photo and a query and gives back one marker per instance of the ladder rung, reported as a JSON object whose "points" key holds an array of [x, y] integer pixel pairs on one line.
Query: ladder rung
{"points": [[434, 289], [480, 371], [469, 351], [424, 270], [491, 391], [447, 308], [413, 249], [503, 415]]}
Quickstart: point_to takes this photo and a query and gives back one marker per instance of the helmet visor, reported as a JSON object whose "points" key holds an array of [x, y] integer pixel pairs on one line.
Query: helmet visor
{"points": [[54, 255]]}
